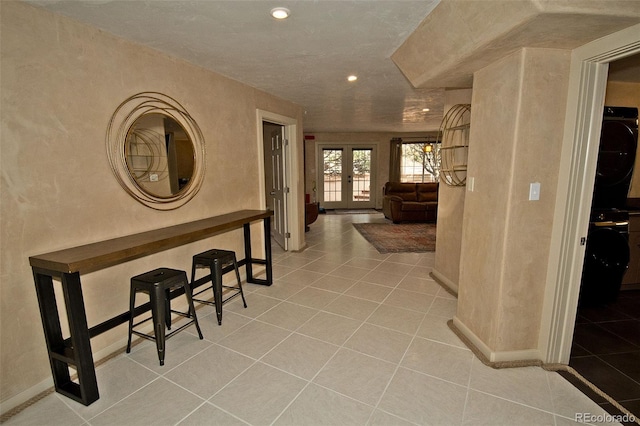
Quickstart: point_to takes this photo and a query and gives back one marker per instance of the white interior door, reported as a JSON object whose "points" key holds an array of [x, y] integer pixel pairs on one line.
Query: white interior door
{"points": [[279, 190], [293, 173], [276, 181], [347, 176]]}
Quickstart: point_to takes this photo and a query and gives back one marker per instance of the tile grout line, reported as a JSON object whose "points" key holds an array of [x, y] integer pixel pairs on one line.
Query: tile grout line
{"points": [[395, 371]]}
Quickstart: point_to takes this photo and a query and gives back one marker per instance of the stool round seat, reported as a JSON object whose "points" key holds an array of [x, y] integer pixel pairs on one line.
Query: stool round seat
{"points": [[158, 284], [219, 262]]}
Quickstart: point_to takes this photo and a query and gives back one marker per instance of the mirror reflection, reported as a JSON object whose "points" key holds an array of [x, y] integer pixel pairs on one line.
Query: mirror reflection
{"points": [[159, 155]]}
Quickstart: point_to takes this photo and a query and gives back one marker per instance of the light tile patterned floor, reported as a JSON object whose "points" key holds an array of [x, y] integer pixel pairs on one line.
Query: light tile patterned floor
{"points": [[345, 336]]}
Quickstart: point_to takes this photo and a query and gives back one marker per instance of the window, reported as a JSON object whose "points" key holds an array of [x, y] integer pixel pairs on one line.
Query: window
{"points": [[332, 174], [420, 161], [361, 159]]}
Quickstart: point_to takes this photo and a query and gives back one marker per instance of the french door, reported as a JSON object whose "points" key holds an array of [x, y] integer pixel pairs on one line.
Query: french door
{"points": [[347, 173]]}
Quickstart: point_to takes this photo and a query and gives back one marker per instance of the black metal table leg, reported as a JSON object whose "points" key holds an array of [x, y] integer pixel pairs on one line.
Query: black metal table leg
{"points": [[247, 252], [62, 354], [267, 248], [52, 329], [249, 260]]}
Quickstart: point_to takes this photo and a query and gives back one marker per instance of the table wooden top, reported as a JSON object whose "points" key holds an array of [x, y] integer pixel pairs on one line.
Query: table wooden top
{"points": [[94, 256]]}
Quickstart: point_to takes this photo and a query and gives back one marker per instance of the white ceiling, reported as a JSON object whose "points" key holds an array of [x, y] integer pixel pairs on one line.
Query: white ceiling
{"points": [[305, 59]]}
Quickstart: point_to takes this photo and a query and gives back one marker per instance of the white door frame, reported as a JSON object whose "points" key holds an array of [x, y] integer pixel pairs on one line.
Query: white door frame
{"points": [[583, 121], [295, 224]]}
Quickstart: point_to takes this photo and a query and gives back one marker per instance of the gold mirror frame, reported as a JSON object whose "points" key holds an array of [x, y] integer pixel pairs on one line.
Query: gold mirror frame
{"points": [[125, 116]]}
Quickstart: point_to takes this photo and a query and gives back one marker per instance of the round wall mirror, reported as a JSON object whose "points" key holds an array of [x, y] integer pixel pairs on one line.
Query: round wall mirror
{"points": [[159, 155], [156, 150]]}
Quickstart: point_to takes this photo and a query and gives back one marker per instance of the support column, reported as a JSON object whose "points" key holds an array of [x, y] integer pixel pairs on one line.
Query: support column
{"points": [[517, 119]]}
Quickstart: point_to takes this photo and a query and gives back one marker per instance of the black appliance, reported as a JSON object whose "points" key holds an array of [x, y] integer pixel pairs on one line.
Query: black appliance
{"points": [[606, 257], [616, 157], [607, 252]]}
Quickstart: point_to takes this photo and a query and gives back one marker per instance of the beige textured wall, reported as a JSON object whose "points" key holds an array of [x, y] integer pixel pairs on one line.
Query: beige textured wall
{"points": [[434, 38], [626, 95], [61, 82], [467, 35], [450, 213], [517, 121]]}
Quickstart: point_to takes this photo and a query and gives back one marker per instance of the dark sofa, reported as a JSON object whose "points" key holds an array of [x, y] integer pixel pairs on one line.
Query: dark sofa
{"points": [[410, 202]]}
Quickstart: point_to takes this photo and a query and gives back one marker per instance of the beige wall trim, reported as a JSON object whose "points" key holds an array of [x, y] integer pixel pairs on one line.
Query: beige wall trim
{"points": [[17, 403], [521, 358], [24, 399], [14, 405], [505, 359], [538, 363], [470, 339], [583, 120], [445, 282]]}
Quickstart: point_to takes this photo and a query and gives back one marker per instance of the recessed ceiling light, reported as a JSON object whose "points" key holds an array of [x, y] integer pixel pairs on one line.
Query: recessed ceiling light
{"points": [[425, 109], [352, 78], [280, 12]]}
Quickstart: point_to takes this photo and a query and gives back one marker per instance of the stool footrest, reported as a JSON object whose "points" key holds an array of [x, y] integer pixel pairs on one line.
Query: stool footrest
{"points": [[212, 303], [158, 285], [182, 314], [152, 337], [206, 302], [146, 336], [231, 297], [219, 263]]}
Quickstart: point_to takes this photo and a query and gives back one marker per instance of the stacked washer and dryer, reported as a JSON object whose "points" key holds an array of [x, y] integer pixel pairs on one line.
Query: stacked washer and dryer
{"points": [[607, 251]]}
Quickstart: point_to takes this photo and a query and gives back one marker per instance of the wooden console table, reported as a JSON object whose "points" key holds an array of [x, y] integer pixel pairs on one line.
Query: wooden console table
{"points": [[69, 263]]}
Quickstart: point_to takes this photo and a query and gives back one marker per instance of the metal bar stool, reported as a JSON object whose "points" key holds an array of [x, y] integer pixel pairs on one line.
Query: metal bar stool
{"points": [[158, 284], [219, 262]]}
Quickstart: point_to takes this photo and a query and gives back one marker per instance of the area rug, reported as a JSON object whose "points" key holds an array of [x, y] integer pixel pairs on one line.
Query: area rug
{"points": [[399, 238]]}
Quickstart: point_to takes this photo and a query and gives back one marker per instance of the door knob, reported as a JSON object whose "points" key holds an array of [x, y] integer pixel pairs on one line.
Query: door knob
{"points": [[272, 193]]}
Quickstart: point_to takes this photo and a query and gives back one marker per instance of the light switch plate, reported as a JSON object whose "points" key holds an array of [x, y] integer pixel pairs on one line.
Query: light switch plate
{"points": [[534, 191]]}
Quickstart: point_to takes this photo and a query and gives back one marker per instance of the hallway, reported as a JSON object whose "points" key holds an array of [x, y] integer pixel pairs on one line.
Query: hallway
{"points": [[344, 336]]}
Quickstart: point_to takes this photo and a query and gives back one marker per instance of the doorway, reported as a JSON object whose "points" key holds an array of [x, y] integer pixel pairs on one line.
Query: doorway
{"points": [[347, 173], [587, 84], [276, 180], [606, 343], [293, 209]]}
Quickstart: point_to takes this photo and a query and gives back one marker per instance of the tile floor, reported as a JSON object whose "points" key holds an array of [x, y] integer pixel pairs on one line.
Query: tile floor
{"points": [[344, 336], [606, 350]]}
